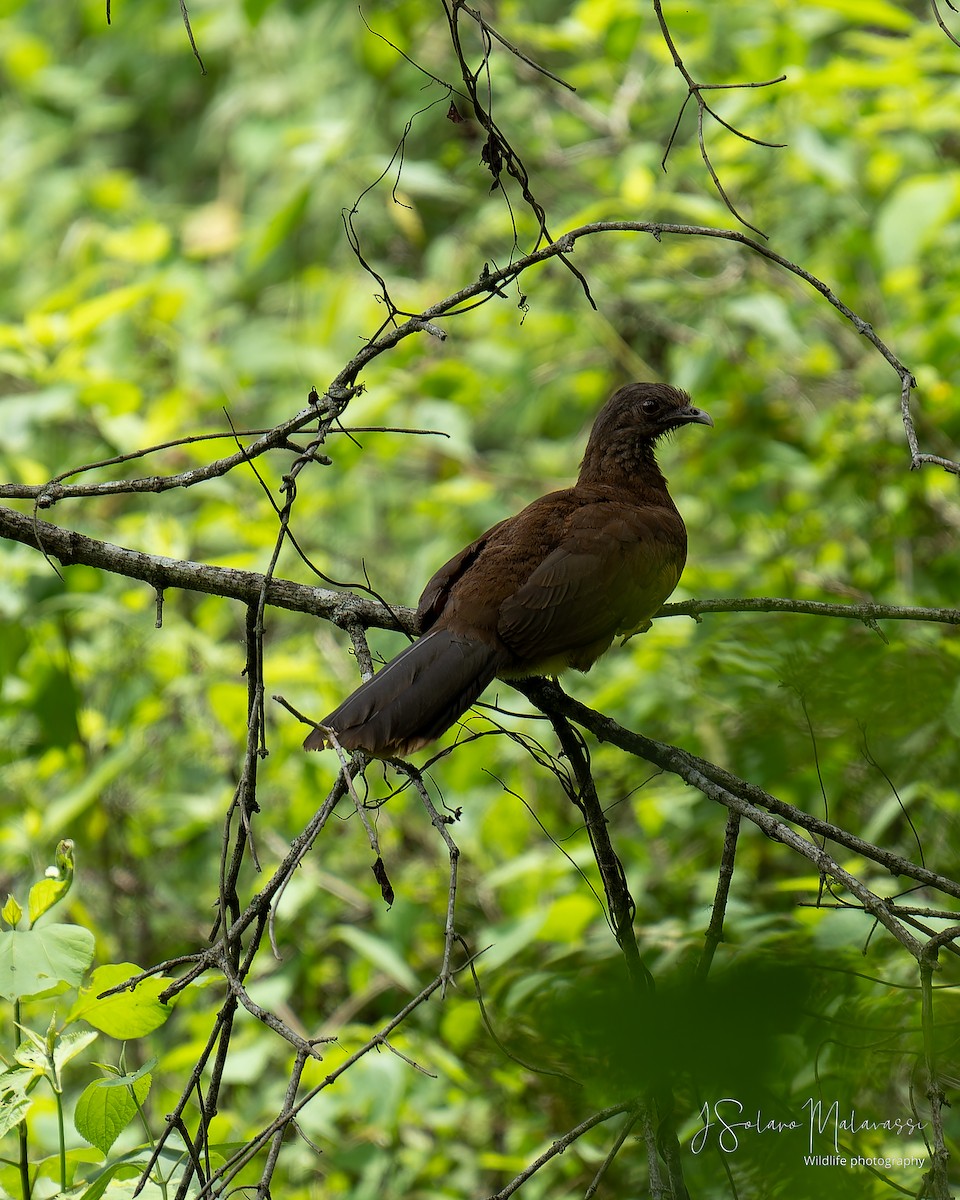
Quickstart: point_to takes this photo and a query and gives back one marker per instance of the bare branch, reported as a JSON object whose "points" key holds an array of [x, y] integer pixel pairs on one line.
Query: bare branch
{"points": [[352, 612], [343, 387], [233, 1165], [732, 791], [869, 614], [193, 45], [714, 934]]}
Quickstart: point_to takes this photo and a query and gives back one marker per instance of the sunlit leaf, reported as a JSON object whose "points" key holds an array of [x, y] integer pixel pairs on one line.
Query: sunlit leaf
{"points": [[130, 1013], [34, 960], [102, 1112]]}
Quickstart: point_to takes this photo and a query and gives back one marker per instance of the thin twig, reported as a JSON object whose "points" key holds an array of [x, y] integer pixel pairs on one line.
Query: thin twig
{"points": [[441, 824], [235, 1163], [343, 388], [743, 797], [193, 45], [559, 1146], [940, 22], [631, 1119], [714, 933], [696, 90], [273, 1155], [514, 50]]}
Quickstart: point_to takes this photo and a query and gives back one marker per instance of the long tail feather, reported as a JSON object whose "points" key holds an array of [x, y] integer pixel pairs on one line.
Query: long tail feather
{"points": [[414, 699]]}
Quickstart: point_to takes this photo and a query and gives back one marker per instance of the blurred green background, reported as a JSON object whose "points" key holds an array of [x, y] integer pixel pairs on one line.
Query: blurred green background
{"points": [[173, 260]]}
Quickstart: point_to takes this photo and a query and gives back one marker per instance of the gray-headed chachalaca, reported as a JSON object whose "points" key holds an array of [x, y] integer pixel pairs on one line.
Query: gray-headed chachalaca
{"points": [[547, 589]]}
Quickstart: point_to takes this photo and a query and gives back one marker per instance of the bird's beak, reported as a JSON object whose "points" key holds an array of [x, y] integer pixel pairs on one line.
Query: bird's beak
{"points": [[693, 416]]}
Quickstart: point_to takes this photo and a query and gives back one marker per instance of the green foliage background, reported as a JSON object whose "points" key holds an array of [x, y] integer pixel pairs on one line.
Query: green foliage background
{"points": [[172, 250]]}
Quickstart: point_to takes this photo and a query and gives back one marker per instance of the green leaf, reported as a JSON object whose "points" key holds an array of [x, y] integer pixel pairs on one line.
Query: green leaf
{"points": [[68, 1046], [280, 228], [15, 1101], [15, 1082], [122, 1177], [123, 1015], [912, 218], [11, 911], [36, 959], [45, 894], [12, 1111], [65, 858], [104, 1110], [49, 1056], [128, 1080], [381, 954], [32, 1056]]}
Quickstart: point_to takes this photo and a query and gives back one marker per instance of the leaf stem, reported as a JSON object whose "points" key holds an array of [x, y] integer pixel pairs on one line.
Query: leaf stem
{"points": [[22, 1137], [63, 1141]]}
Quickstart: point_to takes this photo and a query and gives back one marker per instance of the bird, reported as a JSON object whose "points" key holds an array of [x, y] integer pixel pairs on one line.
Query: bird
{"points": [[547, 589]]}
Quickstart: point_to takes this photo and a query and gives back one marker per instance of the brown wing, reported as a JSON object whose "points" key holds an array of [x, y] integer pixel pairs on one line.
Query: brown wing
{"points": [[434, 596], [613, 567]]}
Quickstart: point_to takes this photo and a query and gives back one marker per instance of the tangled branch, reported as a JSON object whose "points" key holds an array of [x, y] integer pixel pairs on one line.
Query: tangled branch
{"points": [[331, 406], [695, 92]]}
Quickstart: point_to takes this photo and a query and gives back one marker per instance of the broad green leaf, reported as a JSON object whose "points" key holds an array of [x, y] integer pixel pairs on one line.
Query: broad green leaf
{"points": [[104, 1110], [130, 1166], [127, 1014], [15, 1082], [36, 959], [43, 896], [122, 1177]]}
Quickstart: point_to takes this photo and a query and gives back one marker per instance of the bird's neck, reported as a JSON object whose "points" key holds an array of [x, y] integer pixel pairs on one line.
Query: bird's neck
{"points": [[628, 467]]}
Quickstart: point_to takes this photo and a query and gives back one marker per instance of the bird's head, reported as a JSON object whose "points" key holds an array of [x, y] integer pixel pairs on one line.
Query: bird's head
{"points": [[630, 424], [648, 410]]}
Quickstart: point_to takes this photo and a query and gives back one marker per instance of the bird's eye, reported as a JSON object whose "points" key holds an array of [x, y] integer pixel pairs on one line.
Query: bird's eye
{"points": [[650, 406]]}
